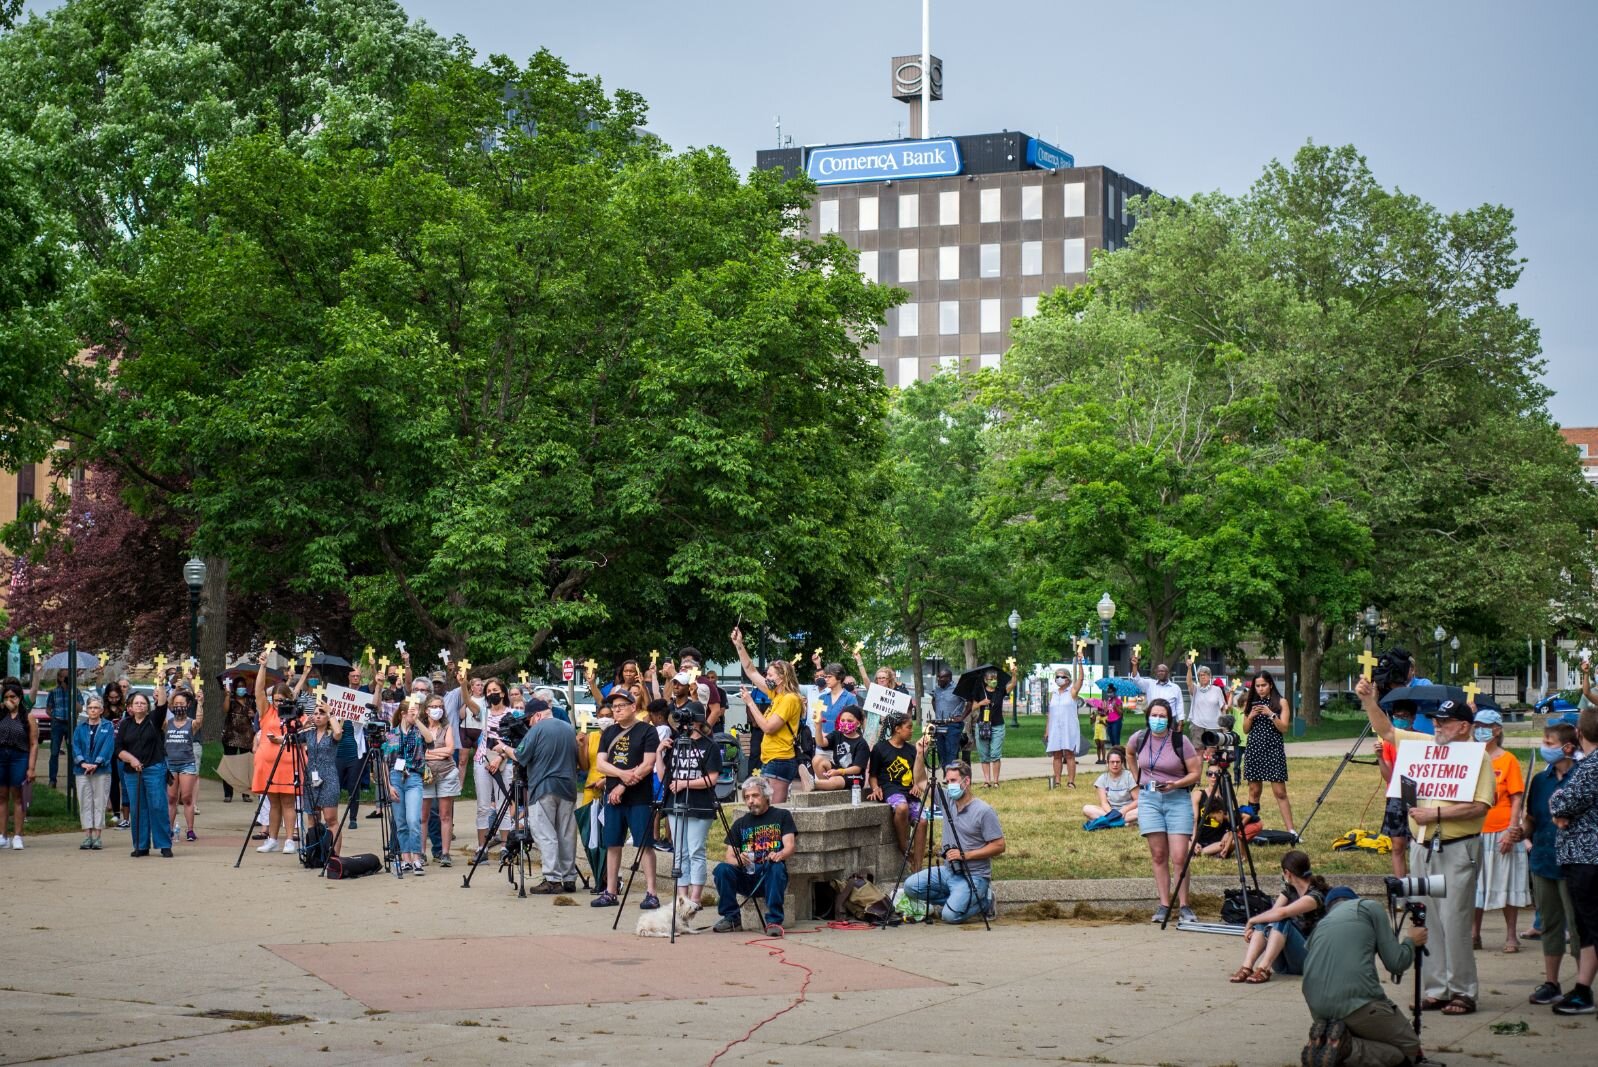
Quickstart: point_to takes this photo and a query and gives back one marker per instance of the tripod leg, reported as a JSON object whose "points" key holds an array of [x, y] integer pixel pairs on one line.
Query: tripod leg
{"points": [[936, 790], [270, 777], [1348, 757], [488, 841]]}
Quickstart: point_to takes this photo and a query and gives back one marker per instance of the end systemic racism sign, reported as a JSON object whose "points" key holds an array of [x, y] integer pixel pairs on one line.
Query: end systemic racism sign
{"points": [[1445, 773], [935, 158]]}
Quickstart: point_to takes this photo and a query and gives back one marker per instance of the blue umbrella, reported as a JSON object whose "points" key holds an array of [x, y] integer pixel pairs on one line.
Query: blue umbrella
{"points": [[59, 662], [1124, 687]]}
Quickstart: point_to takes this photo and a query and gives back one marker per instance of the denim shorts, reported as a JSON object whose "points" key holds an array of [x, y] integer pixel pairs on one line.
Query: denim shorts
{"points": [[13, 768], [622, 818], [1165, 813], [784, 770], [175, 769]]}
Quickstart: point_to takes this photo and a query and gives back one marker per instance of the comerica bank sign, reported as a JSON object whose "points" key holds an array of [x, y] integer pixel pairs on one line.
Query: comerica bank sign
{"points": [[935, 158]]}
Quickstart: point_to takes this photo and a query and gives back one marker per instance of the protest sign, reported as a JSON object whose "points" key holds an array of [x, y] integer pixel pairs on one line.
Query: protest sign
{"points": [[1444, 773], [880, 702], [346, 703]]}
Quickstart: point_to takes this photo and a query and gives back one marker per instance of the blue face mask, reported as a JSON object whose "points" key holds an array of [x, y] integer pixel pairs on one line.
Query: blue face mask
{"points": [[1552, 755], [1483, 734], [313, 682], [1402, 723], [955, 791], [1159, 725]]}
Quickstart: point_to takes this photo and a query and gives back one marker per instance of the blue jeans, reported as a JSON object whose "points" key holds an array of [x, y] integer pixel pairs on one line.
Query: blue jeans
{"points": [[948, 736], [59, 731], [1291, 958], [732, 881], [940, 885], [407, 810], [146, 792], [688, 836]]}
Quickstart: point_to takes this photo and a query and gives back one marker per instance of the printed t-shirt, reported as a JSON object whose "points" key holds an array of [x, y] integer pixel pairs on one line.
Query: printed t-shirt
{"points": [[893, 768], [760, 835], [1508, 780], [779, 745], [848, 751], [693, 758], [626, 749]]}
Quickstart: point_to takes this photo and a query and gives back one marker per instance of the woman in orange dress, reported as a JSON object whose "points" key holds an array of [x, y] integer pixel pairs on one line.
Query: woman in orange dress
{"points": [[279, 787]]}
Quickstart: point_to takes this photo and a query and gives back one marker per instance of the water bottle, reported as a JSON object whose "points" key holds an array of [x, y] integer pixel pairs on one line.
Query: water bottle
{"points": [[854, 791]]}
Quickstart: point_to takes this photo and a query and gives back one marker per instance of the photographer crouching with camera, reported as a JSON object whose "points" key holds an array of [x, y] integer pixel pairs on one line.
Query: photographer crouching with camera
{"points": [[971, 838], [1446, 842], [1355, 1024]]}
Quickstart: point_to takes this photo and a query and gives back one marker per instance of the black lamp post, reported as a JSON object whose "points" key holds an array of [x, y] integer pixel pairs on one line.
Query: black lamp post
{"points": [[194, 578], [1106, 611], [1015, 646], [1453, 658], [1439, 634]]}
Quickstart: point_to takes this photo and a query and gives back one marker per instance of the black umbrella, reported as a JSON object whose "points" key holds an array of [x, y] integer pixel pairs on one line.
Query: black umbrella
{"points": [[327, 659], [973, 685], [1424, 697]]}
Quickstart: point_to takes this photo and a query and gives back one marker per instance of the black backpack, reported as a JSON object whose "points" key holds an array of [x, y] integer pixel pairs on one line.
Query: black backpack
{"points": [[317, 846]]}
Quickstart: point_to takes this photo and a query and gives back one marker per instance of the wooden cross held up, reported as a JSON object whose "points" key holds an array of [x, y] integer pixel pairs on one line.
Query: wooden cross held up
{"points": [[1470, 691], [1367, 663], [522, 676], [1192, 656], [368, 653]]}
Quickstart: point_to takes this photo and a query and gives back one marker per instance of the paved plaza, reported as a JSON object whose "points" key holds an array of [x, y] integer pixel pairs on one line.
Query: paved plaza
{"points": [[115, 960]]}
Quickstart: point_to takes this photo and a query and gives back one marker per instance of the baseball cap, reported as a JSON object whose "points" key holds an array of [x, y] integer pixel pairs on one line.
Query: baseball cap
{"points": [[682, 678], [1489, 717], [536, 704], [1456, 710], [620, 696], [1340, 892]]}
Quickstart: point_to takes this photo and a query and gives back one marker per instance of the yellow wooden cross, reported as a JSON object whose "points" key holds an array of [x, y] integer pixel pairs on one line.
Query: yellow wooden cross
{"points": [[36, 654], [521, 676], [591, 665], [859, 647], [1010, 663], [104, 659], [269, 648], [307, 659], [160, 663], [382, 664], [1470, 692], [818, 651], [796, 659], [368, 653], [654, 656], [1192, 655], [1081, 645], [466, 666], [1367, 663], [199, 684], [1137, 651]]}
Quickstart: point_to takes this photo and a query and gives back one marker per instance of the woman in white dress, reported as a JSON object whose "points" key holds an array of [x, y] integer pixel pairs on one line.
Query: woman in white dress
{"points": [[1065, 728]]}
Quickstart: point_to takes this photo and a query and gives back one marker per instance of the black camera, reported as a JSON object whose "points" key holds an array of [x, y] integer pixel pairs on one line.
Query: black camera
{"points": [[513, 727], [1223, 739], [1393, 669], [289, 713], [684, 716]]}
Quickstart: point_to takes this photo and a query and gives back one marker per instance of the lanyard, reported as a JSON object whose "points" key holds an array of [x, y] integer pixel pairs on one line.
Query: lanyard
{"points": [[1155, 762]]}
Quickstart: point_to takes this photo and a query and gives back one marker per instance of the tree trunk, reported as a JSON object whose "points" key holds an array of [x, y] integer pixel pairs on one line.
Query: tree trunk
{"points": [[1292, 664], [970, 647], [914, 637], [1312, 641], [213, 643]]}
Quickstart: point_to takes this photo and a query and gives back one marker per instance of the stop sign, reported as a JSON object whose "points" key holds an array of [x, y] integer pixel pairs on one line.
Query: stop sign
{"points": [[568, 670]]}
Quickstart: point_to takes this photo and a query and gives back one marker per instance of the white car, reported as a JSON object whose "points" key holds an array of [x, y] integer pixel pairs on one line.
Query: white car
{"points": [[556, 695]]}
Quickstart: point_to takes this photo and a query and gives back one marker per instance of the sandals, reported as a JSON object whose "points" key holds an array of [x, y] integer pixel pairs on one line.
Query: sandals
{"points": [[1432, 1004], [1241, 975], [1260, 976], [1460, 1005], [1511, 947]]}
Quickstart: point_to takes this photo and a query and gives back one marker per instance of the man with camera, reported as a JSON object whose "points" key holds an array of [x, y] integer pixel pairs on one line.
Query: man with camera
{"points": [[1355, 1024], [548, 756], [971, 838], [1445, 841]]}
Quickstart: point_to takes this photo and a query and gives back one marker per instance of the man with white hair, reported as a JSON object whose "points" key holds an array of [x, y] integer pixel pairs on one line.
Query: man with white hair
{"points": [[759, 843]]}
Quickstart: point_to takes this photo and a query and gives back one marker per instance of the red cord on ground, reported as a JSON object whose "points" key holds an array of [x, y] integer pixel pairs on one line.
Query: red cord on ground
{"points": [[777, 951]]}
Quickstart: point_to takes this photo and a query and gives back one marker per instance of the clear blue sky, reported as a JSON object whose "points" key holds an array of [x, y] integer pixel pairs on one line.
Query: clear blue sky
{"points": [[1458, 102]]}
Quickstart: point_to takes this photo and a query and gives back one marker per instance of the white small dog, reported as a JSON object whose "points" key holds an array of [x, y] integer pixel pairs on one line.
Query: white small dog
{"points": [[657, 923]]}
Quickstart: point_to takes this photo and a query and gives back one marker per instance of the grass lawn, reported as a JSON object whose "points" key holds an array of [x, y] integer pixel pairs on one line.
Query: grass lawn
{"points": [[1027, 739], [1043, 827]]}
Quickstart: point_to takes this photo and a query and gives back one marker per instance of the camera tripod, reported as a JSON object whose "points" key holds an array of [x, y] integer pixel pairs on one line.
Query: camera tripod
{"points": [[1348, 757], [294, 745], [517, 858], [1416, 913], [374, 765], [1223, 782], [936, 798]]}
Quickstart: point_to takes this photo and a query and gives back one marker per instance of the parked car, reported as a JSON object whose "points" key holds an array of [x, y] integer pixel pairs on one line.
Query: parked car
{"points": [[556, 695], [1339, 700], [1554, 704]]}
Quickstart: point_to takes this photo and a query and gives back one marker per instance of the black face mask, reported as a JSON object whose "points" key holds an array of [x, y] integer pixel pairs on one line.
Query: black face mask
{"points": [[496, 699]]}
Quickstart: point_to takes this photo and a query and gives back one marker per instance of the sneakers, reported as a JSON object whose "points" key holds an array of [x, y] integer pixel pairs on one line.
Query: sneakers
{"points": [[291, 846], [123, 824], [16, 843], [96, 844], [1186, 914], [651, 902], [568, 887], [728, 926], [445, 861], [606, 899], [1546, 993], [1161, 913], [774, 930], [270, 846], [190, 836], [88, 843], [166, 853], [5, 842], [1327, 1046], [546, 888], [1576, 1002]]}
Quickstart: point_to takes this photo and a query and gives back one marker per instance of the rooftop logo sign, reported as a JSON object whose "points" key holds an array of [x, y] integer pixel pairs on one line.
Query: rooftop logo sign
{"points": [[1045, 156], [935, 158]]}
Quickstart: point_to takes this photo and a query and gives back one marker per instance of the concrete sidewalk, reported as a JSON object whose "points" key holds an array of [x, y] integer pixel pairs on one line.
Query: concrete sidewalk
{"points": [[116, 960]]}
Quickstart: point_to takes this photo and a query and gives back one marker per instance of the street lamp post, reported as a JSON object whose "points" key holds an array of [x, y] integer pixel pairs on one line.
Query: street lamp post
{"points": [[1439, 634], [194, 578], [1453, 659], [1106, 611], [1015, 647]]}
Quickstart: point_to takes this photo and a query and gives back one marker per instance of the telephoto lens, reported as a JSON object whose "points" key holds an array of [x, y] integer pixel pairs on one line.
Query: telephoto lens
{"points": [[1416, 885]]}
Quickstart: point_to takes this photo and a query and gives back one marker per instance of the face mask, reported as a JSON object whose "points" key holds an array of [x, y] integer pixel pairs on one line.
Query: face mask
{"points": [[1483, 734], [313, 682], [496, 699], [955, 791], [848, 687], [1159, 725], [1402, 724], [435, 713], [239, 690], [1551, 755], [1060, 679], [849, 728]]}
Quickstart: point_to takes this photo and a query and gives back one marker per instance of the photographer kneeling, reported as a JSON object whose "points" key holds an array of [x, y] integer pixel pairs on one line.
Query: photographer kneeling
{"points": [[1355, 1023], [971, 838]]}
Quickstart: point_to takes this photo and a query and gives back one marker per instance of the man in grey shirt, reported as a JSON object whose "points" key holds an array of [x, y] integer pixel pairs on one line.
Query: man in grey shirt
{"points": [[971, 838], [549, 755], [948, 712]]}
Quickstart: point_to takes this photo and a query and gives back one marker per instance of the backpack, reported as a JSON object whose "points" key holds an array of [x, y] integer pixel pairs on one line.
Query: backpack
{"points": [[1232, 908], [859, 897], [317, 846]]}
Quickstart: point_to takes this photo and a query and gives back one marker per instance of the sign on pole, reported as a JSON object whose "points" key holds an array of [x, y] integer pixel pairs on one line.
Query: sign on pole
{"points": [[568, 670], [346, 703], [1440, 772]]}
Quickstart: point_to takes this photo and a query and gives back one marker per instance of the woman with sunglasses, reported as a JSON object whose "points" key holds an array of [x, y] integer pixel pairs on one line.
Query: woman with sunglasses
{"points": [[19, 754]]}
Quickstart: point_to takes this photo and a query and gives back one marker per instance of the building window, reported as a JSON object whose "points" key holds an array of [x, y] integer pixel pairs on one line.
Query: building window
{"points": [[990, 261], [1075, 200], [868, 266], [949, 263], [1031, 257], [1031, 201], [1122, 197], [948, 317], [990, 205], [989, 360], [949, 208], [1076, 255], [909, 265], [1109, 202], [909, 320], [909, 370], [1029, 306], [948, 363], [868, 212], [1582, 452], [909, 211], [990, 316], [829, 216]]}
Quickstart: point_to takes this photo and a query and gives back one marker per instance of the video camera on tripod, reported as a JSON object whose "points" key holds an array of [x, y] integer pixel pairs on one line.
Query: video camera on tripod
{"points": [[1402, 894], [1223, 740], [685, 716]]}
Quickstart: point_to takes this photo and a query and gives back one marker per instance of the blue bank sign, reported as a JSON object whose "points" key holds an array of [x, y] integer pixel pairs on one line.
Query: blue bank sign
{"points": [[937, 158], [1045, 156]]}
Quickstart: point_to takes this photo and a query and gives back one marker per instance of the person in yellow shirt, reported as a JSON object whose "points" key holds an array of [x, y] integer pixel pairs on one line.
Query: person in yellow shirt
{"points": [[593, 798], [1445, 840], [779, 724]]}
